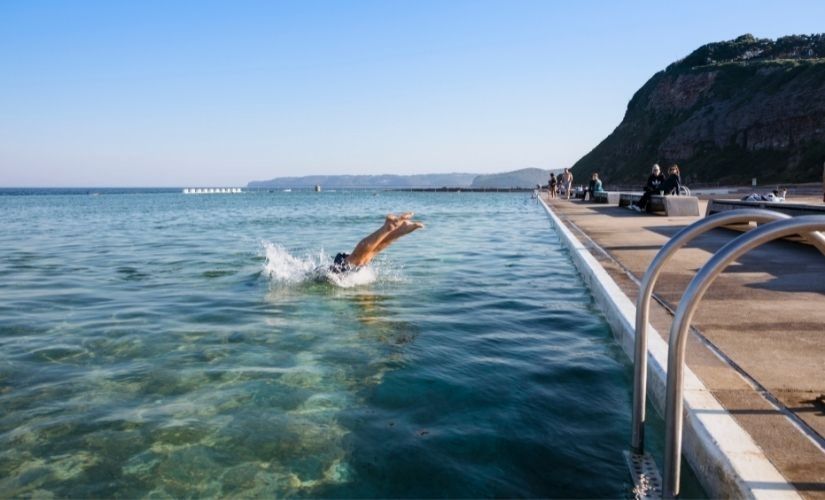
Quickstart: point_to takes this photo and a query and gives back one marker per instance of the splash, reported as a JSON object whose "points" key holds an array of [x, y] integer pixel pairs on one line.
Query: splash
{"points": [[283, 268]]}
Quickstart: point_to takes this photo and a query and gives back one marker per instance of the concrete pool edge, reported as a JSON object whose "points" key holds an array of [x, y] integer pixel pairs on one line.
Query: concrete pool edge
{"points": [[724, 457]]}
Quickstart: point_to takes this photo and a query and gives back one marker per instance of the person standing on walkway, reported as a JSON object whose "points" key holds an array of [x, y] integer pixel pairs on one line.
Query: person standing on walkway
{"points": [[567, 181], [552, 185]]}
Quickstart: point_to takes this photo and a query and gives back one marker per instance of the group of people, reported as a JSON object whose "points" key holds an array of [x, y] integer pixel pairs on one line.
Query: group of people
{"points": [[563, 183], [657, 183]]}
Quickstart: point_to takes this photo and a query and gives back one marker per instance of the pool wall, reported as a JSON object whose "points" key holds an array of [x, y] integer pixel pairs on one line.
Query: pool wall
{"points": [[724, 457]]}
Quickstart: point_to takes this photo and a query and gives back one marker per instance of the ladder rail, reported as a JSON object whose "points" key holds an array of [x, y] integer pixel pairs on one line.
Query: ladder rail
{"points": [[648, 282], [674, 404]]}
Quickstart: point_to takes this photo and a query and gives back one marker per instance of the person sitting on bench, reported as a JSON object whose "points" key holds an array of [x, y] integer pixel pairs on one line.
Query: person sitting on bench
{"points": [[671, 185], [654, 182], [595, 185]]}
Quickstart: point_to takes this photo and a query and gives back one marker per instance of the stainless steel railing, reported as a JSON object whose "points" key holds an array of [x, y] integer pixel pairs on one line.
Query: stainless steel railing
{"points": [[674, 404], [679, 240]]}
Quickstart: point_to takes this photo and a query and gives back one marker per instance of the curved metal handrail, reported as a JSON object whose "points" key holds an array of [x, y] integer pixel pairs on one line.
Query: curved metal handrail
{"points": [[674, 404], [679, 240]]}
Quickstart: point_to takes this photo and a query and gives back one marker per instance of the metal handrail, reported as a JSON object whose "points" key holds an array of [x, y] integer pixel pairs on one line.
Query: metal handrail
{"points": [[646, 291], [674, 403]]}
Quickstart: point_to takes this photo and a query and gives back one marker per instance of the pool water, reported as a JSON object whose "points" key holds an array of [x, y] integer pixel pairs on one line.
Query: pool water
{"points": [[162, 344]]}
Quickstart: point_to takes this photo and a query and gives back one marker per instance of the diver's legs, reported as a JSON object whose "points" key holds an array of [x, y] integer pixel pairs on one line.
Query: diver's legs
{"points": [[363, 256], [364, 250], [406, 228]]}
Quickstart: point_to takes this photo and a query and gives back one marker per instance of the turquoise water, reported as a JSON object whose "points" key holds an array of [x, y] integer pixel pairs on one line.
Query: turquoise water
{"points": [[168, 344]]}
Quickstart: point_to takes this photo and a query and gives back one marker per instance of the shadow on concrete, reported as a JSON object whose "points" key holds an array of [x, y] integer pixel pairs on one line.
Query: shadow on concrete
{"points": [[612, 210], [794, 283], [793, 267], [808, 486], [800, 486], [716, 238], [817, 405], [633, 247]]}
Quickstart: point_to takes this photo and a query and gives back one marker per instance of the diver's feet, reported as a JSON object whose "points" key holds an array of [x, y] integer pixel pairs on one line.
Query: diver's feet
{"points": [[393, 221], [409, 226]]}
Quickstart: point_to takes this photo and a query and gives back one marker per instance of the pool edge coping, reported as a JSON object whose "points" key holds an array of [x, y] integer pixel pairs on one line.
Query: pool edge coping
{"points": [[725, 458]]}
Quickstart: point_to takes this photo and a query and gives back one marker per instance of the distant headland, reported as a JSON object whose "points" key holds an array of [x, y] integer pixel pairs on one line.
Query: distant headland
{"points": [[516, 179]]}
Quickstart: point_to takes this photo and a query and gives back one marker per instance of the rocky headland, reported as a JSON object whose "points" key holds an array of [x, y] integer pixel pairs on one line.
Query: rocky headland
{"points": [[727, 113]]}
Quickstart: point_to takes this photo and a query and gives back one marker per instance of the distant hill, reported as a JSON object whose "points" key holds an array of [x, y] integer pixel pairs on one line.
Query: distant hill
{"points": [[368, 181], [524, 178], [727, 112]]}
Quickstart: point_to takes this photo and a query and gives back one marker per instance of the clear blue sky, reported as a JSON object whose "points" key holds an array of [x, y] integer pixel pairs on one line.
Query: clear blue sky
{"points": [[198, 93]]}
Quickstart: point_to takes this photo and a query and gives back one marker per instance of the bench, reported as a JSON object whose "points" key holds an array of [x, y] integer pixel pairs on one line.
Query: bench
{"points": [[626, 199], [671, 205], [606, 197]]}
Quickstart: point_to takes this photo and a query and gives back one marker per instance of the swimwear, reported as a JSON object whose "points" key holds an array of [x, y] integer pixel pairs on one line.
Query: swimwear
{"points": [[340, 264]]}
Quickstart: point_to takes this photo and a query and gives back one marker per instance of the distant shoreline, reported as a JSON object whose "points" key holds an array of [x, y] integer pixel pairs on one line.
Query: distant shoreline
{"points": [[34, 191]]}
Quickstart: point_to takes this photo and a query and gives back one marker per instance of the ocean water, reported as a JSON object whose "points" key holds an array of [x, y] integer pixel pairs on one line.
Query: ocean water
{"points": [[161, 344]]}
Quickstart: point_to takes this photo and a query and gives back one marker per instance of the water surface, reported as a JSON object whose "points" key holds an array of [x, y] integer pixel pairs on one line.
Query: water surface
{"points": [[167, 344]]}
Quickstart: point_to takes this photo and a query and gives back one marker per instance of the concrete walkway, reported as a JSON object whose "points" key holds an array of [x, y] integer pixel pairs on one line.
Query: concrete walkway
{"points": [[760, 340]]}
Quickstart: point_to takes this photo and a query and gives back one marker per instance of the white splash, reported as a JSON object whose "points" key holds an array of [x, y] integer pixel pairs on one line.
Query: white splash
{"points": [[281, 267], [285, 269]]}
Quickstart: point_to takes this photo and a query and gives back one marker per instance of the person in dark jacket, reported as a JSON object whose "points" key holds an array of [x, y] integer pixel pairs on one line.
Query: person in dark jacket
{"points": [[654, 183], [673, 181]]}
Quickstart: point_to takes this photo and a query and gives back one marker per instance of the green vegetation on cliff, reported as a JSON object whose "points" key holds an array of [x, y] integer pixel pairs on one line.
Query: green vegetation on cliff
{"points": [[727, 112]]}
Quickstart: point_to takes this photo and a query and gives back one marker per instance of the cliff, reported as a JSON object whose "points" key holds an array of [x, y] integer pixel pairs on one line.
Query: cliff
{"points": [[726, 113]]}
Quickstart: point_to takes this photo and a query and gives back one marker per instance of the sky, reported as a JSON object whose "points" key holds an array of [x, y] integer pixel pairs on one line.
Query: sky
{"points": [[201, 93]]}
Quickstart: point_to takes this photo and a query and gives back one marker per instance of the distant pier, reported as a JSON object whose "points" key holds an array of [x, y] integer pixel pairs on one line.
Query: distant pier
{"points": [[212, 190]]}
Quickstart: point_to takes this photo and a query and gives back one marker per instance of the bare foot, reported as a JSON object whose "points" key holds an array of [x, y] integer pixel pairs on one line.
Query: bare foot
{"points": [[393, 221], [409, 227]]}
